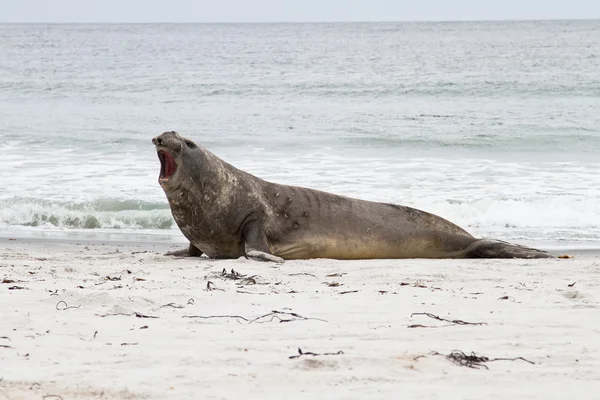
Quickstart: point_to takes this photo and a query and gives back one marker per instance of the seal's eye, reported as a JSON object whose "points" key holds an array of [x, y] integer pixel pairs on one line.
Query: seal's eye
{"points": [[190, 144]]}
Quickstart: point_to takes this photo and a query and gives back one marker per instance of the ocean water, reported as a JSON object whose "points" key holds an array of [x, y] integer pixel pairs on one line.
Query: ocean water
{"points": [[492, 125]]}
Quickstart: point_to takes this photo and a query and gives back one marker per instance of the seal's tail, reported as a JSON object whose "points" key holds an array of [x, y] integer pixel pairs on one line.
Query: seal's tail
{"points": [[486, 248]]}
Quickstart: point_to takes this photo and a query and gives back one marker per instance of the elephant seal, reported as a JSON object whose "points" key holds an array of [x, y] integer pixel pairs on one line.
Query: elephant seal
{"points": [[225, 212]]}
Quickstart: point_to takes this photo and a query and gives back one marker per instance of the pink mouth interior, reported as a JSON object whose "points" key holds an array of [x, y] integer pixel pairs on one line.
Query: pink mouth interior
{"points": [[167, 165]]}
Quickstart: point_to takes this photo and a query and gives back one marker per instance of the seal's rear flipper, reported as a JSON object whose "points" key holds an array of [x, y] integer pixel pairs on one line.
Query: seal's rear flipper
{"points": [[191, 251], [486, 248]]}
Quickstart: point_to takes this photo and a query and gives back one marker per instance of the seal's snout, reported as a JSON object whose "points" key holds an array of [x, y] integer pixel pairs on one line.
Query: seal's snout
{"points": [[167, 139]]}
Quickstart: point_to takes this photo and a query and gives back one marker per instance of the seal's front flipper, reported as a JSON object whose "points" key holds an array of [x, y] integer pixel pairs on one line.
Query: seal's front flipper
{"points": [[262, 256], [191, 251], [257, 247], [485, 248]]}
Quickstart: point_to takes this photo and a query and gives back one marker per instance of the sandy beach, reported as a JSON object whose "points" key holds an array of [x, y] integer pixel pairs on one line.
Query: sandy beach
{"points": [[87, 320]]}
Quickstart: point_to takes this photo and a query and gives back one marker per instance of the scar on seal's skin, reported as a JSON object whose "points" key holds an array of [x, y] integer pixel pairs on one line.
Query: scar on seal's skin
{"points": [[225, 212]]}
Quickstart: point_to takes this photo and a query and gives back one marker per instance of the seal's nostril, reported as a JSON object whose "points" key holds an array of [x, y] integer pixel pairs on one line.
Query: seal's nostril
{"points": [[157, 141]]}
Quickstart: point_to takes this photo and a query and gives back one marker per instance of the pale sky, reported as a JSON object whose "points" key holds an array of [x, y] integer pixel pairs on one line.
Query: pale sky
{"points": [[291, 10]]}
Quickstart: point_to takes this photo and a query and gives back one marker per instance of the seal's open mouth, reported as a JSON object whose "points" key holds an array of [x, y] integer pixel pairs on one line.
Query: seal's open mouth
{"points": [[167, 165]]}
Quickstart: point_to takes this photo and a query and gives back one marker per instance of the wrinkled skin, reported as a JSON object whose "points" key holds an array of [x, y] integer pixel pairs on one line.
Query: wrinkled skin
{"points": [[228, 213]]}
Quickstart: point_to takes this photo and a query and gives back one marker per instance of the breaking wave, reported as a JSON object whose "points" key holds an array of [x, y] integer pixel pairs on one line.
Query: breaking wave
{"points": [[102, 213]]}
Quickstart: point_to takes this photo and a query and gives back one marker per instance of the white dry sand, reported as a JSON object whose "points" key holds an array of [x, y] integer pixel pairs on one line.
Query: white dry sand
{"points": [[60, 339]]}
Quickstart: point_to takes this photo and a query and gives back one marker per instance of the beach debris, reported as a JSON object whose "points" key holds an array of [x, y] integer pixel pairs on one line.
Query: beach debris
{"points": [[309, 353], [248, 281], [210, 286], [503, 298], [5, 346], [38, 334], [302, 273], [472, 360], [338, 275], [191, 302], [16, 287], [349, 291], [129, 344], [136, 314], [6, 280], [417, 285], [65, 306], [140, 315], [333, 284], [246, 292], [565, 256], [274, 315], [236, 276], [52, 396], [172, 305], [522, 286], [452, 321], [233, 275], [112, 278], [571, 284], [93, 337]]}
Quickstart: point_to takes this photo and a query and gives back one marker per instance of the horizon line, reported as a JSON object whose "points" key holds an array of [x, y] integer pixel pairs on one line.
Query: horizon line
{"points": [[296, 21]]}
